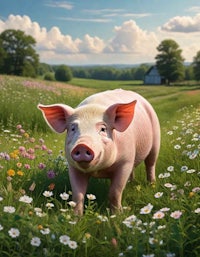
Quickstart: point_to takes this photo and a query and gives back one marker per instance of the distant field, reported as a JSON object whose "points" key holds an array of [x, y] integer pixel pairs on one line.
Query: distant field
{"points": [[36, 211], [19, 94]]}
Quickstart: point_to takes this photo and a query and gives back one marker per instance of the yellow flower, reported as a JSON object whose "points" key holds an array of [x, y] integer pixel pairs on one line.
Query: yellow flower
{"points": [[20, 173], [26, 135], [11, 173], [87, 235], [40, 227], [14, 154], [191, 194]]}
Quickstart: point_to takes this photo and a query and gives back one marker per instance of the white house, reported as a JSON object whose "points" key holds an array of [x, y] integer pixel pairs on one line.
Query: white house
{"points": [[152, 77]]}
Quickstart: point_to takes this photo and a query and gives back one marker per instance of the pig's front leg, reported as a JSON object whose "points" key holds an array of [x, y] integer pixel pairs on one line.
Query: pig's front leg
{"points": [[118, 183], [79, 183]]}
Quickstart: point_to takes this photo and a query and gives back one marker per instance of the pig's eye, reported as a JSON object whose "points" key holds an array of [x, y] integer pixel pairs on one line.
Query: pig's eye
{"points": [[73, 127], [102, 130]]}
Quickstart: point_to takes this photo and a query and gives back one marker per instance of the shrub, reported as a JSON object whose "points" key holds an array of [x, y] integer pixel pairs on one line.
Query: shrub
{"points": [[63, 73], [49, 76]]}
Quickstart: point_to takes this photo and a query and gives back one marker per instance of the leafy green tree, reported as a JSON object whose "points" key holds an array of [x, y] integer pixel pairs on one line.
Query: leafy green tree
{"points": [[140, 71], [189, 74], [2, 55], [169, 61], [63, 73], [19, 55], [196, 66], [44, 68]]}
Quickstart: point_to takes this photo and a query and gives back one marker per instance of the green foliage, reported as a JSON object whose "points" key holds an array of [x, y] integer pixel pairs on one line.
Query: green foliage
{"points": [[169, 61], [63, 73], [110, 73], [49, 76], [196, 66], [18, 54], [44, 68], [189, 73]]}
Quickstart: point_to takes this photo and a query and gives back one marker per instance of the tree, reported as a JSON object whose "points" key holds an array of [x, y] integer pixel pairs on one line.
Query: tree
{"points": [[169, 61], [140, 72], [189, 74], [63, 73], [44, 68], [19, 55], [196, 66]]}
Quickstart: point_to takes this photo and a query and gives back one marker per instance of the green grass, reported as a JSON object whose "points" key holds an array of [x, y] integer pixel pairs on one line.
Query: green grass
{"points": [[32, 162]]}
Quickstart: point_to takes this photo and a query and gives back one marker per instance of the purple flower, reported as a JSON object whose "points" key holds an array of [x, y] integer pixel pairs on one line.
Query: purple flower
{"points": [[51, 174], [4, 156], [41, 166]]}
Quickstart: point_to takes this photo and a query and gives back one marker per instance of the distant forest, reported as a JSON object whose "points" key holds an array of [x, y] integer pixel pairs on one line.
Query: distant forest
{"points": [[115, 72]]}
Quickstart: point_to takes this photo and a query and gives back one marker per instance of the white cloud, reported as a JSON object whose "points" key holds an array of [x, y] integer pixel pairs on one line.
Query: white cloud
{"points": [[195, 9], [95, 20], [136, 15], [91, 44], [128, 43], [102, 11], [53, 46], [184, 24], [60, 4], [130, 38]]}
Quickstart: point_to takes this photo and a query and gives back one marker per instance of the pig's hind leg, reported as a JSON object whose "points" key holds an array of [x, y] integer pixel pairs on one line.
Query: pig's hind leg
{"points": [[150, 163], [151, 159]]}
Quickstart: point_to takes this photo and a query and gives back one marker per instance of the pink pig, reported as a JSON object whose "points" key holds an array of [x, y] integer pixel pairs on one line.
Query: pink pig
{"points": [[108, 135]]}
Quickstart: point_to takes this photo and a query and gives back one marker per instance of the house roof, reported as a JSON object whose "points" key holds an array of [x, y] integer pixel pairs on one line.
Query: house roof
{"points": [[152, 68]]}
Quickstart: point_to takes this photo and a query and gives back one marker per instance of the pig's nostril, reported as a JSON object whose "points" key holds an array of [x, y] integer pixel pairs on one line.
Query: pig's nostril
{"points": [[88, 153], [77, 153]]}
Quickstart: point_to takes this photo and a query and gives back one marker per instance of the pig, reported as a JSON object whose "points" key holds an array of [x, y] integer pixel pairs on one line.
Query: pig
{"points": [[108, 135]]}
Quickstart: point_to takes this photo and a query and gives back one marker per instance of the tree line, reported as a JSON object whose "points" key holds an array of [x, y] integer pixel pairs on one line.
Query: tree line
{"points": [[19, 57], [96, 72]]}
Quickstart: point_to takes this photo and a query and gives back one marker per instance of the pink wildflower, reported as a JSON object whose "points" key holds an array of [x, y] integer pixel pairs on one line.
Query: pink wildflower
{"points": [[176, 214], [41, 166], [19, 126], [27, 166]]}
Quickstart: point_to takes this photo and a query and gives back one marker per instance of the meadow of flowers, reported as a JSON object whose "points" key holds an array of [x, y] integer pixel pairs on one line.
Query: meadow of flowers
{"points": [[158, 220]]}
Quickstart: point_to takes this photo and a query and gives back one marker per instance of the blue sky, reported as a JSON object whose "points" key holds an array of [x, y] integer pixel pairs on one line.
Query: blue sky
{"points": [[79, 32]]}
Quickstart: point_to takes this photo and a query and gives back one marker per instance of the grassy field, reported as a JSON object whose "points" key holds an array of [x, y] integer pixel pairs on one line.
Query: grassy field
{"points": [[36, 208]]}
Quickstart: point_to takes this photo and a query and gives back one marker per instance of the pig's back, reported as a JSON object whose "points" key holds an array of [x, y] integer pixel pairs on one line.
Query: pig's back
{"points": [[110, 97]]}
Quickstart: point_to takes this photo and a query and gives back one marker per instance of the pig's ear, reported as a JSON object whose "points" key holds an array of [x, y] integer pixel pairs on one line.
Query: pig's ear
{"points": [[56, 115], [121, 115]]}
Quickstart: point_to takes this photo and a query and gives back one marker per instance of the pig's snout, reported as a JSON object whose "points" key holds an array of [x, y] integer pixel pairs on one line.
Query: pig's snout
{"points": [[82, 153]]}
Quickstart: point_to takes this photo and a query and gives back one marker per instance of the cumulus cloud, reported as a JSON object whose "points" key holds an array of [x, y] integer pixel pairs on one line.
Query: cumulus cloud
{"points": [[128, 43], [130, 38], [91, 44], [184, 24], [54, 39]]}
